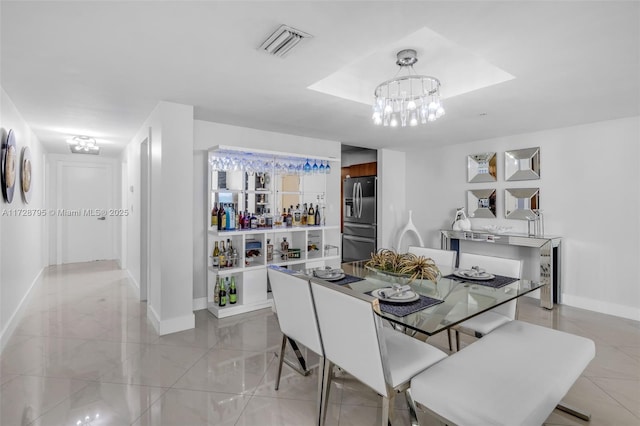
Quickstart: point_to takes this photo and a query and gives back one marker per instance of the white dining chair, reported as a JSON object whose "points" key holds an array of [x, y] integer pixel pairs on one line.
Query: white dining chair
{"points": [[297, 317], [440, 257], [355, 340], [488, 321]]}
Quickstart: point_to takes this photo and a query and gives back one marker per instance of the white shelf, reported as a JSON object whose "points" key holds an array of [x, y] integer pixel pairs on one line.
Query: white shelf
{"points": [[279, 229], [251, 279], [230, 310]]}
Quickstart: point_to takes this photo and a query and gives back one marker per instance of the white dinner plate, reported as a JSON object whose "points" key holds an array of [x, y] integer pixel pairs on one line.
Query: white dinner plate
{"points": [[473, 275], [406, 297], [329, 274]]}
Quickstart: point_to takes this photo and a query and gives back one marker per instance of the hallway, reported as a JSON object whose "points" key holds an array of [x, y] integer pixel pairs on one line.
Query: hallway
{"points": [[85, 354]]}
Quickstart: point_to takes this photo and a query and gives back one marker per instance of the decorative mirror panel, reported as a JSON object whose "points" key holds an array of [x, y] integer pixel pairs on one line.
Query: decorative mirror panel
{"points": [[521, 202], [522, 164], [481, 203], [482, 167]]}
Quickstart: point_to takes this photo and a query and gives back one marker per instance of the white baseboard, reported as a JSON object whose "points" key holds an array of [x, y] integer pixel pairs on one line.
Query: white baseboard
{"points": [[134, 283], [172, 325], [199, 303], [608, 308], [15, 318]]}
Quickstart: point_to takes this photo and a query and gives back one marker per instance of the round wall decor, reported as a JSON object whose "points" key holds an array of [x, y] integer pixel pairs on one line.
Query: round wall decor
{"points": [[25, 174], [8, 163]]}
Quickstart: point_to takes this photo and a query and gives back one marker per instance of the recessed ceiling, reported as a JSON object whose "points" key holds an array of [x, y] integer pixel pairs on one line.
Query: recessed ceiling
{"points": [[98, 68], [459, 70]]}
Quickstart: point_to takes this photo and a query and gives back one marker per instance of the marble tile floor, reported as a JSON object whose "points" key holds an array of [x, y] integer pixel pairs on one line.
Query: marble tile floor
{"points": [[84, 353]]}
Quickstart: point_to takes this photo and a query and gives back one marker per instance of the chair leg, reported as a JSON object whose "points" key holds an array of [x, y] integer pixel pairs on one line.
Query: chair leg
{"points": [[457, 340], [281, 360], [413, 411], [321, 373], [326, 387], [449, 337], [385, 411]]}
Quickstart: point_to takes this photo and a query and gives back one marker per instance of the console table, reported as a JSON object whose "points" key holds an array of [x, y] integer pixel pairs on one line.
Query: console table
{"points": [[549, 252]]}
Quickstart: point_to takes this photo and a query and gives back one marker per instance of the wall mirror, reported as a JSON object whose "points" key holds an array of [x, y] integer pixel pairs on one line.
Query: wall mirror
{"points": [[482, 167], [522, 164], [481, 203], [521, 202]]}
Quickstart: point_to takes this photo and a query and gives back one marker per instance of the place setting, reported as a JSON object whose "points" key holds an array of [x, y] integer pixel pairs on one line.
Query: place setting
{"points": [[401, 300], [335, 276], [477, 275]]}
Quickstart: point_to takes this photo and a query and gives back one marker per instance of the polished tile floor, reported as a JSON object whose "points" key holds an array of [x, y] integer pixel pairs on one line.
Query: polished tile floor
{"points": [[84, 353]]}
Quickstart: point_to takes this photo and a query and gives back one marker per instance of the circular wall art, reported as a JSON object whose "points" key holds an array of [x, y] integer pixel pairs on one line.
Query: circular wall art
{"points": [[25, 174], [9, 160]]}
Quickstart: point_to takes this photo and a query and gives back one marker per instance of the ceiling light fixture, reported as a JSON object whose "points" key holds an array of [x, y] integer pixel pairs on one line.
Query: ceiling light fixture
{"points": [[408, 99], [83, 145]]}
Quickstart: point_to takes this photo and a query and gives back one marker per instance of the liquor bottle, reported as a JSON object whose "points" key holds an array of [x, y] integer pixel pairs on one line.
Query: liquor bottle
{"points": [[254, 221], [297, 216], [262, 222], [216, 292], [317, 219], [223, 219], [231, 217], [223, 294], [222, 257], [219, 221], [312, 216], [216, 256], [277, 220], [214, 216], [229, 254], [269, 250], [289, 219], [247, 219], [284, 247], [240, 220], [233, 293], [234, 257], [268, 219], [303, 220]]}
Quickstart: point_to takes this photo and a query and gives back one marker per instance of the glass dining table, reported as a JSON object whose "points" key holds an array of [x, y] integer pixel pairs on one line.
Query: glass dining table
{"points": [[456, 299]]}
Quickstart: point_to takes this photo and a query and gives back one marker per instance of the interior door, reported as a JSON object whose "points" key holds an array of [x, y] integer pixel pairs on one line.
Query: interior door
{"points": [[85, 228]]}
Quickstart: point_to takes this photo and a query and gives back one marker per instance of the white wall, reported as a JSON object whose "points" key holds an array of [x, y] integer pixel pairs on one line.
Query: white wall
{"points": [[22, 238], [392, 214], [208, 134], [172, 202], [589, 192], [53, 163]]}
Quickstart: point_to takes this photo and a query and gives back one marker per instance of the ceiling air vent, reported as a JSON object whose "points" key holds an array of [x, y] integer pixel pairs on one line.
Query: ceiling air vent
{"points": [[283, 40]]}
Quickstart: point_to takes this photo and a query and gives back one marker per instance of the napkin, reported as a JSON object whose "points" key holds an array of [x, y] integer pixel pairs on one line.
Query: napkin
{"points": [[393, 292]]}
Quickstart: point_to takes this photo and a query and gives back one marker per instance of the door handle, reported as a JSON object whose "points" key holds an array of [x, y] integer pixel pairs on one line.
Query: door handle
{"points": [[102, 218]]}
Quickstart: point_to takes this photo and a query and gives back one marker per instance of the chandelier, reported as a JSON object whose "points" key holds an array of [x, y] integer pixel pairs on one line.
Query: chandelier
{"points": [[408, 99]]}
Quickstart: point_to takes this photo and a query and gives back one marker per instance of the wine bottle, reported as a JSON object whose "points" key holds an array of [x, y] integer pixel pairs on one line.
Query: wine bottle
{"points": [[222, 257], [214, 216], [240, 220], [312, 216], [233, 293], [216, 292], [317, 218], [223, 294], [219, 221], [216, 256], [268, 219]]}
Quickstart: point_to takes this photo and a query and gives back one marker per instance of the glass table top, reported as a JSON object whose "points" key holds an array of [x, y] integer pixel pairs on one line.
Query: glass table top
{"points": [[461, 299]]}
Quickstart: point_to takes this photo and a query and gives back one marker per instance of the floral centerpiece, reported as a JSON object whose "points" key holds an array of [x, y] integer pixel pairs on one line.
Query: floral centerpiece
{"points": [[406, 265]]}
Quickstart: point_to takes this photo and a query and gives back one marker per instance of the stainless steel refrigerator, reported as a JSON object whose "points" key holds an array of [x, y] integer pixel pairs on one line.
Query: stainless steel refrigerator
{"points": [[360, 228]]}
